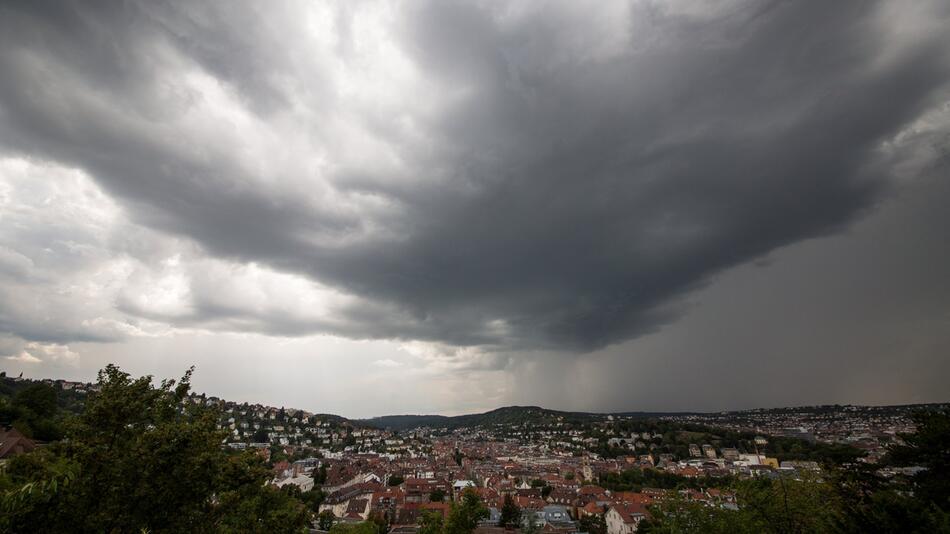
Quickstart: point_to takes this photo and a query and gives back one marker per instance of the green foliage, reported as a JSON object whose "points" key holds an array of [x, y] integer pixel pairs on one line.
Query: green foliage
{"points": [[140, 458], [680, 516], [431, 523], [788, 505], [437, 495], [396, 480], [32, 410], [850, 498], [676, 437], [465, 515], [313, 499], [277, 454], [259, 510], [325, 520], [381, 521], [510, 513], [637, 479], [795, 449], [320, 475], [530, 523], [30, 483], [366, 527], [782, 506], [593, 524], [40, 399], [928, 447], [869, 503]]}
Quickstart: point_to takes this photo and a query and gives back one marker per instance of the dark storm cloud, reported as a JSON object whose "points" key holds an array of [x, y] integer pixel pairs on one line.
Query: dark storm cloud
{"points": [[579, 178]]}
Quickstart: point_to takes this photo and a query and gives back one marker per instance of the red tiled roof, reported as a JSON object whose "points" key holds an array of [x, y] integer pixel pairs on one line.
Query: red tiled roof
{"points": [[631, 513], [590, 490]]}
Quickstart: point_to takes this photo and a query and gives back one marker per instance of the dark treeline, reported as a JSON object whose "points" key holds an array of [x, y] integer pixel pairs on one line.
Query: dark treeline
{"points": [[36, 409], [849, 497], [139, 459], [676, 437], [636, 479]]}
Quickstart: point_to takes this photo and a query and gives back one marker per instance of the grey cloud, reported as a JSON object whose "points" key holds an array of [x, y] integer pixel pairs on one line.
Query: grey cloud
{"points": [[860, 317], [569, 195]]}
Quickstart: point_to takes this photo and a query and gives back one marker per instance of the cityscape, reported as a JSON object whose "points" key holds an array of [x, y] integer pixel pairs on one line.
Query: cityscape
{"points": [[562, 472], [474, 267]]}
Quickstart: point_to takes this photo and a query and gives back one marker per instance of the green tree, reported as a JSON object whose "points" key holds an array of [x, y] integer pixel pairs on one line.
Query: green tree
{"points": [[259, 510], [788, 505], [928, 447], [33, 412], [395, 480], [464, 516], [677, 515], [593, 524], [320, 476], [869, 503], [313, 499], [437, 495], [40, 399], [431, 523], [30, 486], [510, 513], [141, 458], [782, 506], [381, 521], [366, 527], [529, 524], [325, 520]]}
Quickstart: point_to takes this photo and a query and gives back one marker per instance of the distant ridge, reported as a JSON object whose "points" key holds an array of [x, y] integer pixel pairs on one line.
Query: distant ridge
{"points": [[507, 415], [403, 422], [503, 415], [513, 415]]}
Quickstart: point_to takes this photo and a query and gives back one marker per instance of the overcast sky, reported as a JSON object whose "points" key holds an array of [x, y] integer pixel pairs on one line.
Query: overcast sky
{"points": [[440, 207]]}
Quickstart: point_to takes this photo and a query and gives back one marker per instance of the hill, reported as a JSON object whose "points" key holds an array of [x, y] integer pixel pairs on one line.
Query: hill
{"points": [[508, 415]]}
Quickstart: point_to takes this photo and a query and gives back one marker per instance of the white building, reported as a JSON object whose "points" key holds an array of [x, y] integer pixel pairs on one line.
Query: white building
{"points": [[624, 518]]}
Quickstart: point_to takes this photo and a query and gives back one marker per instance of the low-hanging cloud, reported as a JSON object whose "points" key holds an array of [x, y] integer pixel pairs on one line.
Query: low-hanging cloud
{"points": [[531, 176]]}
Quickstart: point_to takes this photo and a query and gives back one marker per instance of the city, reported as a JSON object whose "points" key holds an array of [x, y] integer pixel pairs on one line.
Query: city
{"points": [[474, 267], [561, 472]]}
